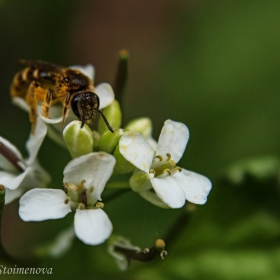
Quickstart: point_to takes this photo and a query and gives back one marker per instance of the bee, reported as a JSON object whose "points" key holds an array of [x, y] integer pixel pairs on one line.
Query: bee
{"points": [[49, 83]]}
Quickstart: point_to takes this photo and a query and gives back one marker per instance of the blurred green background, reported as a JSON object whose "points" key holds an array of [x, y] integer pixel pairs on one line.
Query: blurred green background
{"points": [[213, 65]]}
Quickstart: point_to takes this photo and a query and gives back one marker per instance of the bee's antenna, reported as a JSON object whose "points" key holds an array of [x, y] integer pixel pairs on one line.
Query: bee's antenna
{"points": [[105, 120]]}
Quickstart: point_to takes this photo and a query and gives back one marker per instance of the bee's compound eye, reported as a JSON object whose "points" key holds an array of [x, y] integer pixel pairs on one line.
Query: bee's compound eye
{"points": [[75, 105]]}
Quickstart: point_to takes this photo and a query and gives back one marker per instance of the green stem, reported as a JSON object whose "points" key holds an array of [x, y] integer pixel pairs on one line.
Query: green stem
{"points": [[121, 76], [178, 226], [4, 255], [118, 185]]}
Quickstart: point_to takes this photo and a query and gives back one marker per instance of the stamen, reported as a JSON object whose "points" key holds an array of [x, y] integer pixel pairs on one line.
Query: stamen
{"points": [[168, 156], [152, 171], [66, 201], [99, 205], [81, 206], [159, 157], [167, 171], [178, 168], [81, 186], [172, 163]]}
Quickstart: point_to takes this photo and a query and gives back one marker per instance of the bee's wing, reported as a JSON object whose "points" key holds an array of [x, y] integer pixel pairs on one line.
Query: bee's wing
{"points": [[41, 65]]}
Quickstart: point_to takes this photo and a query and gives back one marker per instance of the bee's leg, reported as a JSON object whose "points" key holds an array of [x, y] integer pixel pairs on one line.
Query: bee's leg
{"points": [[32, 100], [65, 108], [47, 104]]}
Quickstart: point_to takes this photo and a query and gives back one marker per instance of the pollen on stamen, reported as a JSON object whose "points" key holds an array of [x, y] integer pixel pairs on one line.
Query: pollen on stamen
{"points": [[167, 171], [152, 171], [159, 157], [99, 205], [81, 206], [168, 156], [172, 162], [178, 168]]}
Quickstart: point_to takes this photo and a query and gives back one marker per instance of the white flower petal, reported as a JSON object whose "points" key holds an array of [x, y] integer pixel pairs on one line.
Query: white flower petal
{"points": [[12, 182], [105, 93], [121, 242], [21, 103], [154, 199], [52, 121], [4, 163], [43, 204], [135, 149], [152, 142], [195, 186], [92, 226], [173, 140], [94, 168], [169, 191], [38, 178], [56, 135], [62, 243], [11, 195], [35, 140], [88, 70]]}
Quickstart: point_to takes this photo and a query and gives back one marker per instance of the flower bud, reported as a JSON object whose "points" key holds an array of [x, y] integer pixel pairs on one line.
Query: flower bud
{"points": [[109, 140], [122, 165], [141, 125], [118, 245], [114, 116], [79, 141], [141, 181]]}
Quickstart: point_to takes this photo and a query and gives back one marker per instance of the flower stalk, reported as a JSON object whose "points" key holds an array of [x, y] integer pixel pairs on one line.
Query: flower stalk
{"points": [[121, 75]]}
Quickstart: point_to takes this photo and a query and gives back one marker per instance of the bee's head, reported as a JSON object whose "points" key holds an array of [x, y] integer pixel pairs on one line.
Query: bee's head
{"points": [[84, 104]]}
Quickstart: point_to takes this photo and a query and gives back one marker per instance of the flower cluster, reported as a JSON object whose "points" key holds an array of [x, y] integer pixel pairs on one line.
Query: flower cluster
{"points": [[100, 155]]}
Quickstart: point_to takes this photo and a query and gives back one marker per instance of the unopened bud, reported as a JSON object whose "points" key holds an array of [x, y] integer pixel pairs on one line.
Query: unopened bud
{"points": [[141, 182], [141, 125], [79, 141], [109, 140], [113, 115]]}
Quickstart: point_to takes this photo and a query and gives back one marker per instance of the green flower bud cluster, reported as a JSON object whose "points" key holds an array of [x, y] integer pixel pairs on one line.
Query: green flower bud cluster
{"points": [[81, 141]]}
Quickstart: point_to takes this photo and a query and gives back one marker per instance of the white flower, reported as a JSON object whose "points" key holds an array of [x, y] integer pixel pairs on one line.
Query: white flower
{"points": [[84, 180], [158, 170], [122, 243], [144, 127], [17, 174], [103, 90]]}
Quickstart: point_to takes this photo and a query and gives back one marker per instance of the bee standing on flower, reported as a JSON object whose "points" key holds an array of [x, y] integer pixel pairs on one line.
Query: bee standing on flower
{"points": [[49, 83]]}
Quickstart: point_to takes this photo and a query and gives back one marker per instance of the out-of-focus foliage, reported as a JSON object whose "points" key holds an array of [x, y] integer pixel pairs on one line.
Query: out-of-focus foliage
{"points": [[214, 65]]}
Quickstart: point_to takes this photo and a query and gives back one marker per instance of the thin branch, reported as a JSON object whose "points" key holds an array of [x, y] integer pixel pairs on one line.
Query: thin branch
{"points": [[146, 255]]}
